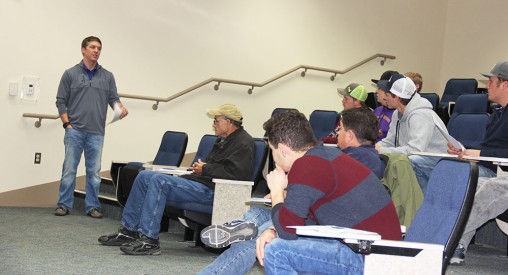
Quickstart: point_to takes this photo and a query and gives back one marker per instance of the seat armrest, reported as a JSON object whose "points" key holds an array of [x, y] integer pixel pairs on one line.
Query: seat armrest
{"points": [[383, 256], [401, 257], [233, 182], [451, 106], [229, 199]]}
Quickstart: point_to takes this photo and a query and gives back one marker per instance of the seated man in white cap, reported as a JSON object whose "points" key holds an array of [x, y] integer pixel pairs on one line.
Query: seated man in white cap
{"points": [[354, 96], [232, 157], [413, 126]]}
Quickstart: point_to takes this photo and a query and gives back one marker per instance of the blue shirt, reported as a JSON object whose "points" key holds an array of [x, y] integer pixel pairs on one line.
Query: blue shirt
{"points": [[368, 156], [90, 73]]}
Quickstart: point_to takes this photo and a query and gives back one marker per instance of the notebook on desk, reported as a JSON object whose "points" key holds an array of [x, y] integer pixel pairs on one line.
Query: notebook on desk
{"points": [[496, 161], [173, 170], [331, 231]]}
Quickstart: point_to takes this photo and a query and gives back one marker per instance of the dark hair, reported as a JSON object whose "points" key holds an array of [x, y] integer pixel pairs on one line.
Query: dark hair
{"points": [[403, 101], [89, 39], [362, 122], [290, 128]]}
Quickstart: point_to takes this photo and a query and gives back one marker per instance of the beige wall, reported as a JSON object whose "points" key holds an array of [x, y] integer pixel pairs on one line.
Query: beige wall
{"points": [[160, 47]]}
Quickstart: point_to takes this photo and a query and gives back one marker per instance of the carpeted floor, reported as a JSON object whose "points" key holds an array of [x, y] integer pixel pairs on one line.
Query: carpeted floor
{"points": [[34, 241]]}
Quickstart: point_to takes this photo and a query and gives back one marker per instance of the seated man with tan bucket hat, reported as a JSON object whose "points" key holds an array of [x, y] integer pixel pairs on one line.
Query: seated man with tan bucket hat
{"points": [[232, 157]]}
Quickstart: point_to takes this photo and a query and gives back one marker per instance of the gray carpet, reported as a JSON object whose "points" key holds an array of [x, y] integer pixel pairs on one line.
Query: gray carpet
{"points": [[34, 241]]}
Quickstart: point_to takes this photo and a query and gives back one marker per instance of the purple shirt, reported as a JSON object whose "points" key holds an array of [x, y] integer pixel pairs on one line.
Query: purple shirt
{"points": [[384, 117]]}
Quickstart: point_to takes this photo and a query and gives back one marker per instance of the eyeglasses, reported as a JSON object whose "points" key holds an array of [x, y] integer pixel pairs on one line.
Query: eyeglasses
{"points": [[216, 121]]}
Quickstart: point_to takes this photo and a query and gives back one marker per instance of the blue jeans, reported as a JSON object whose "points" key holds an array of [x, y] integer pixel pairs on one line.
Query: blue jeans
{"points": [[241, 256], [77, 141], [311, 255], [150, 192], [423, 166]]}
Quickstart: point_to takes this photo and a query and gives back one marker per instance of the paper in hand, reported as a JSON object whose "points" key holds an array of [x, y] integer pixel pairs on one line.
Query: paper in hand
{"points": [[449, 138], [118, 113]]}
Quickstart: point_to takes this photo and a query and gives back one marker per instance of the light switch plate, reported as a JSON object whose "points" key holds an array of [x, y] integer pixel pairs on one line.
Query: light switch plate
{"points": [[13, 88]]}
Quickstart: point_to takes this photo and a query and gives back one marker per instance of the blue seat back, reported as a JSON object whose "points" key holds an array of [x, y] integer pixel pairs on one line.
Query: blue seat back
{"points": [[456, 87], [259, 159], [433, 98], [445, 209], [205, 147], [322, 122], [172, 149], [469, 129], [470, 103]]}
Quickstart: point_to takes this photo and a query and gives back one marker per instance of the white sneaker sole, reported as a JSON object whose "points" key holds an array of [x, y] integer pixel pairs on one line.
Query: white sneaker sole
{"points": [[219, 236]]}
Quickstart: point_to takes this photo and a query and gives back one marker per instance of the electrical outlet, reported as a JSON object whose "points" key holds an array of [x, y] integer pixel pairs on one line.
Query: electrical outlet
{"points": [[37, 159]]}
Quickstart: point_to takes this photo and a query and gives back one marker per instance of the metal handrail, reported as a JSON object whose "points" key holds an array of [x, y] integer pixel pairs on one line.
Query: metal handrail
{"points": [[231, 81], [40, 117]]}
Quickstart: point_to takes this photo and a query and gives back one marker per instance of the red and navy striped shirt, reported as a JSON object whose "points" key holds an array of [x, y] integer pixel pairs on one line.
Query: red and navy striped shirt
{"points": [[328, 187]]}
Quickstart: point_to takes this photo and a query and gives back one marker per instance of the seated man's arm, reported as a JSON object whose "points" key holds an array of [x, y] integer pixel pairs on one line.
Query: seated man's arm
{"points": [[419, 135], [237, 165], [303, 190], [389, 140]]}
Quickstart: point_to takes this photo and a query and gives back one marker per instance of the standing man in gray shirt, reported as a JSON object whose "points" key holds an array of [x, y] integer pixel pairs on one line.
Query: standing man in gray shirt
{"points": [[84, 93]]}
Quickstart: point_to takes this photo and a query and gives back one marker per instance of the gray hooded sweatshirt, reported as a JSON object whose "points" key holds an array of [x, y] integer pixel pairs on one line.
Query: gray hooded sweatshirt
{"points": [[415, 130]]}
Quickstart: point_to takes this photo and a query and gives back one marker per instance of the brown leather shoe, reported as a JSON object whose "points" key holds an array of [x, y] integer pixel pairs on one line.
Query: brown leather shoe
{"points": [[95, 213], [61, 211]]}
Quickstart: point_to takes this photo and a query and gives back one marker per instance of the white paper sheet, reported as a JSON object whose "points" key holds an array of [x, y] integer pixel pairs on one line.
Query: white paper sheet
{"points": [[117, 114], [173, 171], [331, 231], [449, 138], [494, 160]]}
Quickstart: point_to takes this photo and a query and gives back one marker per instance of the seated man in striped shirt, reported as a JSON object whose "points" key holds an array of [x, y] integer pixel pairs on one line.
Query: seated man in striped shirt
{"points": [[322, 182]]}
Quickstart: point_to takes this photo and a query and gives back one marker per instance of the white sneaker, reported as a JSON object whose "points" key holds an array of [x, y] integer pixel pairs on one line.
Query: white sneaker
{"points": [[219, 236]]}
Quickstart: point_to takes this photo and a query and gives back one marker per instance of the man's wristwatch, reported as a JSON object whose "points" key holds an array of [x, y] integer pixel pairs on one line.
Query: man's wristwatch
{"points": [[66, 124]]}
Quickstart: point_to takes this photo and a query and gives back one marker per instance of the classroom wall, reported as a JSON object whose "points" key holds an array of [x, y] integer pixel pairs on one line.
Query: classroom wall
{"points": [[161, 47]]}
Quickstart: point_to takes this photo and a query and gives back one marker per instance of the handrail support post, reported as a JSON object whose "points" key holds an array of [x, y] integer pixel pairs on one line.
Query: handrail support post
{"points": [[38, 123], [155, 106], [249, 91]]}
